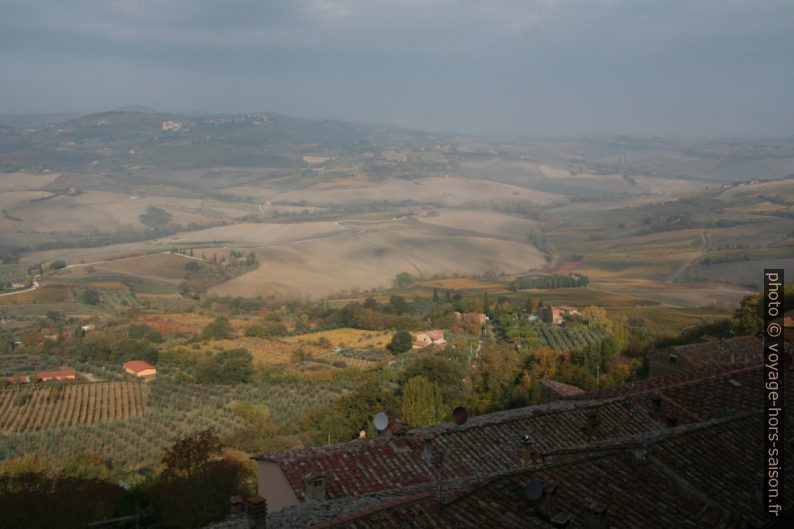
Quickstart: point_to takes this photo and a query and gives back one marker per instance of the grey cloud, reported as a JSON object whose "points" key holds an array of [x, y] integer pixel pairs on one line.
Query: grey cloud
{"points": [[513, 66]]}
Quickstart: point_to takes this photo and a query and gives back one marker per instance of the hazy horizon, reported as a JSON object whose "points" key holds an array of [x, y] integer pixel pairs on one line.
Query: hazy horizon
{"points": [[549, 69]]}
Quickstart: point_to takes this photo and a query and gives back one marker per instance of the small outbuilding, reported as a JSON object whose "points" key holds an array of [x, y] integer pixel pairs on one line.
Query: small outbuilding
{"points": [[139, 368], [60, 374]]}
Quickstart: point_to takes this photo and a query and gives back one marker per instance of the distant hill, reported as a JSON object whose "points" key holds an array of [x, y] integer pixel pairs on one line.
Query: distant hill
{"points": [[140, 137], [24, 121], [136, 108]]}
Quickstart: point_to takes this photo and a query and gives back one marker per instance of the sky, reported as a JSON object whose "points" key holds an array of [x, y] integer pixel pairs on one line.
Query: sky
{"points": [[533, 68]]}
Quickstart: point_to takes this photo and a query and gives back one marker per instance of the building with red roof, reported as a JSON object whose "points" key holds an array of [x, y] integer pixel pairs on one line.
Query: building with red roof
{"points": [[61, 374], [139, 368]]}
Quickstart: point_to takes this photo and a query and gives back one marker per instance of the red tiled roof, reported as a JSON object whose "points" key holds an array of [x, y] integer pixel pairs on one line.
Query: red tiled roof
{"points": [[63, 373], [137, 366], [486, 444], [733, 351], [700, 475], [562, 389], [693, 396]]}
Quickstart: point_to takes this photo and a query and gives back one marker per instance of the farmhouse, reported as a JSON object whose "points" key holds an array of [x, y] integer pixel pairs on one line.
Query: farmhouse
{"points": [[426, 339], [559, 313], [64, 373], [171, 125], [139, 368]]}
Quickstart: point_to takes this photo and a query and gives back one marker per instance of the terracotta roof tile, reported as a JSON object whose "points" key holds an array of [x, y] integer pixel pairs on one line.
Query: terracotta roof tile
{"points": [[485, 444]]}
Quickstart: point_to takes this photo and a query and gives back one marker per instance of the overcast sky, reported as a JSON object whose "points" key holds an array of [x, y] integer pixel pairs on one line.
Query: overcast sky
{"points": [[526, 67]]}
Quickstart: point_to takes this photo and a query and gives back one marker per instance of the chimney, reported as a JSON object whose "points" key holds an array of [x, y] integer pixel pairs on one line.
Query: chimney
{"points": [[236, 505], [592, 424], [594, 517], [257, 512], [593, 420], [656, 400], [315, 487], [427, 450], [547, 506], [528, 454]]}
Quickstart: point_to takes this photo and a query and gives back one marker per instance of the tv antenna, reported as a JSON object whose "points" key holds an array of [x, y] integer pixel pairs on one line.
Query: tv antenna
{"points": [[381, 421]]}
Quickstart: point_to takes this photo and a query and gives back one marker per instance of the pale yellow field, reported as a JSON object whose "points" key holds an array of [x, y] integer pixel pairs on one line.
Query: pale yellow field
{"points": [[316, 159], [344, 337], [265, 352]]}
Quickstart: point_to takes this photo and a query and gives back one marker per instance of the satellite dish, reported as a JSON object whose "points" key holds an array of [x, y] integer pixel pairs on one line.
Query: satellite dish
{"points": [[381, 421], [534, 490], [460, 415]]}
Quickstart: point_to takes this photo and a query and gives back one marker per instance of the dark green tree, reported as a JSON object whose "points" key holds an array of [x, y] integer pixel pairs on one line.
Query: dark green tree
{"points": [[218, 329], [90, 297], [401, 342], [233, 366], [399, 305]]}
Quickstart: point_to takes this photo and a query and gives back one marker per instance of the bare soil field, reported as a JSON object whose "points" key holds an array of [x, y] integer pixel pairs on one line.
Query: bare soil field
{"points": [[96, 212], [451, 191], [463, 283], [715, 295], [371, 259], [259, 234], [485, 222], [161, 266], [25, 181], [649, 185]]}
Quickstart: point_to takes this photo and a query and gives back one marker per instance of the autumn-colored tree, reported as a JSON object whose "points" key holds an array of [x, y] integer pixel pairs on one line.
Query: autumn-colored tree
{"points": [[596, 318], [191, 454]]}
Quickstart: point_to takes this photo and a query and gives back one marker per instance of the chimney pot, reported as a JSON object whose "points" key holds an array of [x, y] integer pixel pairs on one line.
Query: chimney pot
{"points": [[236, 505], [427, 450], [257, 512], [657, 403], [315, 487]]}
